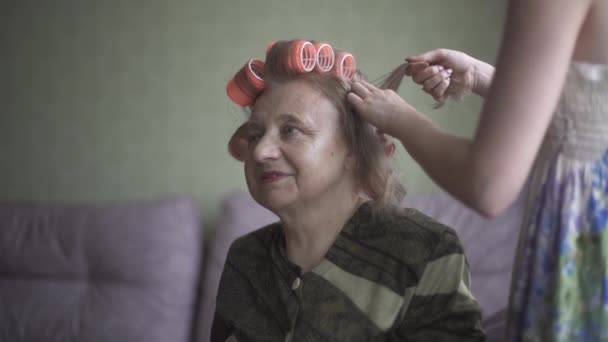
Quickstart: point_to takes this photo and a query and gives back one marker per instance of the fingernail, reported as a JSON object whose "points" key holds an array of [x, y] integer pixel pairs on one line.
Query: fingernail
{"points": [[449, 71]]}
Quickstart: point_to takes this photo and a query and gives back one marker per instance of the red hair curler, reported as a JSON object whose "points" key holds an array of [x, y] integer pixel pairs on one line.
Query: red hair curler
{"points": [[247, 83], [293, 57], [325, 57], [288, 59], [269, 47], [302, 56], [345, 65], [238, 145]]}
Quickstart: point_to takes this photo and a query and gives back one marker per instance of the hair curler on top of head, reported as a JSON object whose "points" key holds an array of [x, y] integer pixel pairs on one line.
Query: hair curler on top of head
{"points": [[289, 58], [247, 83]]}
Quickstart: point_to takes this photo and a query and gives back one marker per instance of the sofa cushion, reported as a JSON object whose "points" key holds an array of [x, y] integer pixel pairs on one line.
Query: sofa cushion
{"points": [[89, 273]]}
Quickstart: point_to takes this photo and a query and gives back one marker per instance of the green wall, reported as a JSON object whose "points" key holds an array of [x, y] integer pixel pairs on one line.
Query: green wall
{"points": [[118, 99]]}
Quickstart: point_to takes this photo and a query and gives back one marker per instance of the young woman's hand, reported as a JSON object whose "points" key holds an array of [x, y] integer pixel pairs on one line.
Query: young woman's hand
{"points": [[444, 73], [383, 108]]}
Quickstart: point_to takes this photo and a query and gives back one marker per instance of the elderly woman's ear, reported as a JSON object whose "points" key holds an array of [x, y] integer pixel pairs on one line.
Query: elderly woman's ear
{"points": [[350, 163], [387, 143], [237, 146]]}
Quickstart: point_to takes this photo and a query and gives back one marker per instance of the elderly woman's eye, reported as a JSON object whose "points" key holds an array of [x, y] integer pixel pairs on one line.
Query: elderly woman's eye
{"points": [[291, 130]]}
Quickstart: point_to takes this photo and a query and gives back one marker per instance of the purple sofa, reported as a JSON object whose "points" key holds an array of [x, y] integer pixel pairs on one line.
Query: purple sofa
{"points": [[133, 271], [489, 245], [100, 273]]}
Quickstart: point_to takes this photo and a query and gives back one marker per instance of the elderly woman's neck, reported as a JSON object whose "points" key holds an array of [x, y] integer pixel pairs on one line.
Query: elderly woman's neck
{"points": [[310, 232]]}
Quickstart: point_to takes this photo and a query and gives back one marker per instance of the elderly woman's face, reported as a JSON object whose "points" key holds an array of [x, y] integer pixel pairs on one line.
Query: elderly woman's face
{"points": [[296, 152]]}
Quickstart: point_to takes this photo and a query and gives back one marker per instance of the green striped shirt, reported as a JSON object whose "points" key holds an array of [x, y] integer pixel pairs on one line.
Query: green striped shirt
{"points": [[390, 277]]}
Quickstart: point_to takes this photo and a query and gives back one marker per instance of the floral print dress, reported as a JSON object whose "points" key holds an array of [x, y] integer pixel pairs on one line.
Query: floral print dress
{"points": [[560, 280]]}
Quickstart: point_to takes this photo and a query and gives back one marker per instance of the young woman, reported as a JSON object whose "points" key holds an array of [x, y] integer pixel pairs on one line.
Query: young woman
{"points": [[545, 122]]}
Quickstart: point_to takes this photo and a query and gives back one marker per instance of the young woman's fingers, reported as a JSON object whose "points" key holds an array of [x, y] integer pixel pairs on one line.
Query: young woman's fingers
{"points": [[360, 89], [355, 101], [427, 73], [435, 80], [431, 57], [414, 68], [439, 92], [370, 87]]}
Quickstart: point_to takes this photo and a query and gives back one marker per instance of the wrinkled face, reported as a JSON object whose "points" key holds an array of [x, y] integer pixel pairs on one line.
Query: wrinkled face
{"points": [[296, 153]]}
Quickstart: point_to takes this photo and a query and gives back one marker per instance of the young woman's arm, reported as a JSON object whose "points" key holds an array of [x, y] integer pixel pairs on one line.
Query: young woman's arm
{"points": [[488, 172]]}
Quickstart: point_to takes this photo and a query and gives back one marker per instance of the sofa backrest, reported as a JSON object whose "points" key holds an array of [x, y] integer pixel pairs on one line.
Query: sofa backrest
{"points": [[99, 273]]}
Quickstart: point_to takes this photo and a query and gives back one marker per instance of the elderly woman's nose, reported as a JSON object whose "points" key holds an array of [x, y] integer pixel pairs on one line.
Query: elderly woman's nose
{"points": [[267, 148]]}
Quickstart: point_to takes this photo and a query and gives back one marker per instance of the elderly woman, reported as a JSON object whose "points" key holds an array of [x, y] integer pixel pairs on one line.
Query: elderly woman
{"points": [[344, 263]]}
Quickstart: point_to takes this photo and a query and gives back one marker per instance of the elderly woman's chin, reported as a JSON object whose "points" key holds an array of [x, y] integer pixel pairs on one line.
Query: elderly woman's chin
{"points": [[273, 197]]}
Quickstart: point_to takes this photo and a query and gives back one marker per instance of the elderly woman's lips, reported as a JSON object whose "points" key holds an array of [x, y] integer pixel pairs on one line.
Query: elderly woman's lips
{"points": [[272, 176]]}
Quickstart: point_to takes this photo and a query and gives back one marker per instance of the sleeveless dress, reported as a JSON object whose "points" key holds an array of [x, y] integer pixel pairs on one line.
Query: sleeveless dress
{"points": [[559, 290]]}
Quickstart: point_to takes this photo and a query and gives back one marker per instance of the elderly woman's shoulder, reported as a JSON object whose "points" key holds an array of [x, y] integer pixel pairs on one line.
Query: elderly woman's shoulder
{"points": [[409, 232], [255, 241], [411, 218], [413, 221]]}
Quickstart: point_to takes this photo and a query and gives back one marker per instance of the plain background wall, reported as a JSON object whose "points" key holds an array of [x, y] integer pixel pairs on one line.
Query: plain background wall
{"points": [[125, 99]]}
